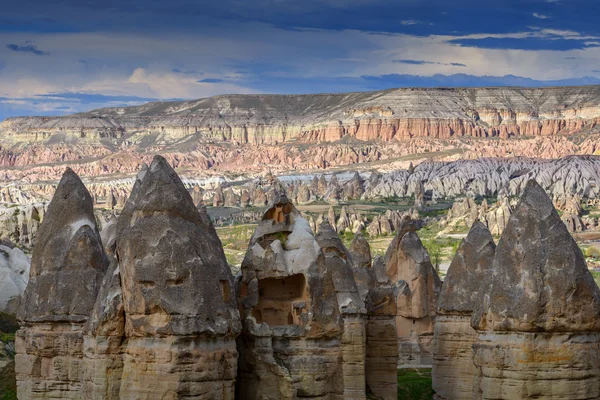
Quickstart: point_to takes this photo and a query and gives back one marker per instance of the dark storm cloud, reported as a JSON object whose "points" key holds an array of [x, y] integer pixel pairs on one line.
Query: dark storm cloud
{"points": [[422, 62], [27, 48], [459, 17]]}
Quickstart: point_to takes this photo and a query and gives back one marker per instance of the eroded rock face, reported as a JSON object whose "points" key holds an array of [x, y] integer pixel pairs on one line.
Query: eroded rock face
{"points": [[409, 268], [453, 367], [538, 322], [67, 269], [382, 337], [14, 276], [301, 313], [178, 296]]}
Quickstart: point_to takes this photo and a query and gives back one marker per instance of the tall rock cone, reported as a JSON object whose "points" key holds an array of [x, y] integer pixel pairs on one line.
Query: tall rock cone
{"points": [[539, 323], [453, 367], [300, 311], [177, 293], [67, 269], [352, 309], [409, 268], [104, 333]]}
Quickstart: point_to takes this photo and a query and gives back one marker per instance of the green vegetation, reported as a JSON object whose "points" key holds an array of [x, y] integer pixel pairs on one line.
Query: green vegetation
{"points": [[8, 382], [414, 384], [434, 249], [596, 276], [346, 237]]}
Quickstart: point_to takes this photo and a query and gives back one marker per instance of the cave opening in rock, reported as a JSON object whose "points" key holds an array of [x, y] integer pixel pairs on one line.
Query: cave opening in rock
{"points": [[282, 301], [279, 213]]}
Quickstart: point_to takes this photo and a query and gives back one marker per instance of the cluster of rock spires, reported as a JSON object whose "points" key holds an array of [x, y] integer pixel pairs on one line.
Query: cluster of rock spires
{"points": [[160, 316], [520, 320]]}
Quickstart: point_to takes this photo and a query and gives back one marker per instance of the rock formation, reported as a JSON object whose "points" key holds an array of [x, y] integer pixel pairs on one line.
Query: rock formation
{"points": [[67, 269], [409, 268], [177, 294], [20, 224], [301, 313], [14, 276], [538, 320], [453, 368]]}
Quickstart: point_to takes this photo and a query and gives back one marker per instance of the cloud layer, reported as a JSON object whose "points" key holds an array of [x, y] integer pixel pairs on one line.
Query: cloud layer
{"points": [[70, 57]]}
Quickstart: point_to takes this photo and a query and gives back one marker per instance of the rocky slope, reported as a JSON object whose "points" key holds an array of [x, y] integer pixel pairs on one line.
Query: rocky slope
{"points": [[385, 115], [253, 133]]}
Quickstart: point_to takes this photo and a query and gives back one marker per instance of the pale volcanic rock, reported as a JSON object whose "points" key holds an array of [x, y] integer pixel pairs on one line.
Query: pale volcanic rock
{"points": [[14, 276], [230, 198], [108, 234], [332, 217], [382, 336], [354, 188], [259, 198], [538, 319], [56, 304], [453, 368], [304, 195], [197, 195], [361, 251], [300, 311], [343, 221], [245, 199], [352, 308], [178, 295], [361, 258], [20, 224], [383, 115], [104, 334], [409, 268], [219, 197]]}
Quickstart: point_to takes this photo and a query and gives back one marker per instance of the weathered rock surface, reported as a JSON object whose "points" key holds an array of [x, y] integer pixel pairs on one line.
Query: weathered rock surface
{"points": [[67, 269], [301, 311], [382, 337], [14, 276], [453, 367], [409, 268], [384, 115], [178, 296], [538, 323]]}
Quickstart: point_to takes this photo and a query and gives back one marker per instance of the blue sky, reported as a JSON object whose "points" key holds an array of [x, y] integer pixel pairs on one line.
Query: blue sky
{"points": [[69, 56]]}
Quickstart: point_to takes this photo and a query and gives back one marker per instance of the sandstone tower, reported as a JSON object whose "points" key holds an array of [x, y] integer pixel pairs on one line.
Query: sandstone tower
{"points": [[453, 368], [67, 268], [539, 325], [408, 267], [297, 296], [181, 318]]}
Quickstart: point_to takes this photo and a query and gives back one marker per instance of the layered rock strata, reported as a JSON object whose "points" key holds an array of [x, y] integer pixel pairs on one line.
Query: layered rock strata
{"points": [[538, 324], [67, 269], [409, 268], [383, 115], [453, 367]]}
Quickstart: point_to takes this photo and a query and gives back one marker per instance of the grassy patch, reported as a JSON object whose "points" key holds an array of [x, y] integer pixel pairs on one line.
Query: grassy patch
{"points": [[414, 384], [596, 276], [8, 382]]}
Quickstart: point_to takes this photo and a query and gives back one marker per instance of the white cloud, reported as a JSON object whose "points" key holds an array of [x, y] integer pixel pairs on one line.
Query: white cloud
{"points": [[540, 16], [133, 65]]}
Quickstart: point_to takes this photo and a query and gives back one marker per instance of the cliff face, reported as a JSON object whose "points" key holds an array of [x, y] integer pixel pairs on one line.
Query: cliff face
{"points": [[383, 115]]}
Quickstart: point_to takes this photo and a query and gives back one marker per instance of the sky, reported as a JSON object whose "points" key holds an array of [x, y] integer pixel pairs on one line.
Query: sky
{"points": [[67, 56]]}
